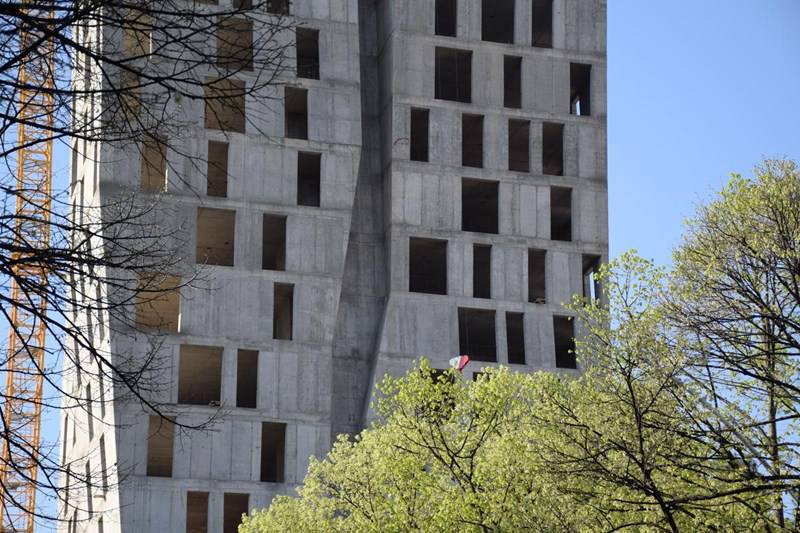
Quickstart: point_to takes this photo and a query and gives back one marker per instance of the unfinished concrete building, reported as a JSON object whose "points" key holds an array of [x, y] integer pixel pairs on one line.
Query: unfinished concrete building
{"points": [[432, 183]]}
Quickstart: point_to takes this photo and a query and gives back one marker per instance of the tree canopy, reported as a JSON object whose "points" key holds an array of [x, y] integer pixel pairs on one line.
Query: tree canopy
{"points": [[681, 418]]}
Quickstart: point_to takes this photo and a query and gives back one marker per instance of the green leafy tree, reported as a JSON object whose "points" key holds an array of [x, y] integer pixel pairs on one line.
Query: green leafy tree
{"points": [[613, 448], [736, 297], [681, 419]]}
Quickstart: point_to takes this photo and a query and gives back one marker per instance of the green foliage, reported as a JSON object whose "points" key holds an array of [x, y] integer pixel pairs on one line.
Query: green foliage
{"points": [[650, 436]]}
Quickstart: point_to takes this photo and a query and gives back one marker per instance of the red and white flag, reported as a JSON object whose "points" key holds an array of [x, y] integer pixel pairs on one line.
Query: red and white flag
{"points": [[459, 362]]}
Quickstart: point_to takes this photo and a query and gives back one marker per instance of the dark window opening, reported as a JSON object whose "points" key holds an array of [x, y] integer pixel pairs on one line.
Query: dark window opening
{"points": [[453, 75], [591, 283], [278, 7], [225, 105], [90, 417], [512, 82], [273, 255], [519, 157], [479, 205], [419, 134], [247, 378], [564, 335], [283, 311], [234, 506], [307, 53], [561, 214], [234, 43], [160, 444], [497, 21], [200, 375], [476, 334], [537, 288], [296, 113], [87, 471], [273, 444], [580, 83], [553, 149], [515, 338], [472, 141], [196, 512], [446, 17], [427, 266], [309, 172], [481, 271], [543, 23], [217, 172], [216, 229]]}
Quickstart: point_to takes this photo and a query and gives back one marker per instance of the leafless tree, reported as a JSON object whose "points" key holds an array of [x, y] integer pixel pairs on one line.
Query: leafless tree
{"points": [[121, 75]]}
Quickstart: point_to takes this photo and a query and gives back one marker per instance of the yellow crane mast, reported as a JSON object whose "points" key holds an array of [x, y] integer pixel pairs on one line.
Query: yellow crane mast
{"points": [[27, 332]]}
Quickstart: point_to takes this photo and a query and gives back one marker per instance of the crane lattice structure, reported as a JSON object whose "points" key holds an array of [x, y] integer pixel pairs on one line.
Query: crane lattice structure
{"points": [[27, 332]]}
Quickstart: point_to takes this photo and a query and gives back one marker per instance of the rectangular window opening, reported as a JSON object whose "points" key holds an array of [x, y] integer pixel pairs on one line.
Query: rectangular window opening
{"points": [[307, 53], [446, 17], [472, 141], [225, 105], [137, 35], [537, 285], [309, 171], [158, 302], [543, 23], [274, 239], [103, 465], [591, 283], [283, 311], [453, 75], [515, 338], [273, 445], [561, 213], [234, 43], [564, 335], [88, 473], [200, 375], [512, 82], [519, 157], [580, 83], [160, 444], [89, 410], [234, 506], [215, 236], [553, 149], [296, 113], [247, 378], [476, 334], [479, 201], [481, 271], [217, 170], [497, 21], [196, 512], [419, 134], [427, 266], [154, 164], [278, 7]]}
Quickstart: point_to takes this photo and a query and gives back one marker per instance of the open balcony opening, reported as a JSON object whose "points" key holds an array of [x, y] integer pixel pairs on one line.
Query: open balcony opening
{"points": [[476, 334], [427, 266], [479, 205]]}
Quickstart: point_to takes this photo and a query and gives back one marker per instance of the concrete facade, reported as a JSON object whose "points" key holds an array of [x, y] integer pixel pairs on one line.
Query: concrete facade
{"points": [[354, 318]]}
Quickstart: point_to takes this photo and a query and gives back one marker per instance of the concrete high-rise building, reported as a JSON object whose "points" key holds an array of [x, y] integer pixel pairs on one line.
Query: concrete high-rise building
{"points": [[432, 182]]}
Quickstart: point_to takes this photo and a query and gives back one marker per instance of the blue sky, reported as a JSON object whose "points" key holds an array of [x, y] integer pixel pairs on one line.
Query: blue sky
{"points": [[697, 89]]}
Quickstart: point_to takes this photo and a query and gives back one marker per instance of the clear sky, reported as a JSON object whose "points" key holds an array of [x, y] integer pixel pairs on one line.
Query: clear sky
{"points": [[697, 89]]}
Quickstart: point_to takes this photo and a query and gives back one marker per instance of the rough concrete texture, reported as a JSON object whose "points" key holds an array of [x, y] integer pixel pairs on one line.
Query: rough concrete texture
{"points": [[354, 317]]}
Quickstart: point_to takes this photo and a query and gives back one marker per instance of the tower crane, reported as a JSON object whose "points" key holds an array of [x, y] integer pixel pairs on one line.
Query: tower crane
{"points": [[27, 332]]}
